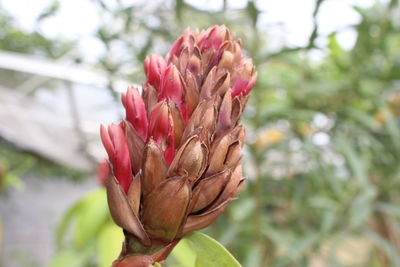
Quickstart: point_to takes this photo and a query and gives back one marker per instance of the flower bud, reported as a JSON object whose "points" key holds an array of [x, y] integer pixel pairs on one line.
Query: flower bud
{"points": [[190, 160], [116, 146], [172, 88], [154, 67], [162, 129], [208, 189], [135, 146], [181, 142], [245, 80], [164, 208], [154, 167], [186, 40], [135, 111], [122, 212], [213, 38], [150, 98]]}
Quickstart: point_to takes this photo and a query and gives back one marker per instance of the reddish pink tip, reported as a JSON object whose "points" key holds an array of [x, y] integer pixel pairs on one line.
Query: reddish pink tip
{"points": [[117, 149], [212, 38], [154, 67], [136, 111], [172, 88], [179, 45], [162, 129]]}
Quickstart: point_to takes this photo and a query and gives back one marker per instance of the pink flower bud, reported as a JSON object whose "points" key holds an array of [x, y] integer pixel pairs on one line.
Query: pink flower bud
{"points": [[212, 38], [182, 140], [154, 67], [172, 88], [180, 44], [171, 85], [245, 79], [162, 129], [135, 111], [116, 146]]}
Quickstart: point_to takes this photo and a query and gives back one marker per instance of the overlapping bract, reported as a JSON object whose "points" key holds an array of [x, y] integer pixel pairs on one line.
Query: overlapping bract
{"points": [[176, 157]]}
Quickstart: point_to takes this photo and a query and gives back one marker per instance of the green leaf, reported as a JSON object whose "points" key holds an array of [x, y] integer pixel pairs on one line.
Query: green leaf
{"points": [[385, 246], [252, 12], [209, 252], [13, 180], [93, 205], [66, 222], [254, 256], [355, 161], [51, 10], [179, 6], [71, 257], [109, 244], [184, 254], [91, 216]]}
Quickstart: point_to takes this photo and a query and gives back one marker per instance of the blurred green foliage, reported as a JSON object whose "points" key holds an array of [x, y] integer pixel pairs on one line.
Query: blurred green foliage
{"points": [[85, 241], [323, 141], [16, 163], [13, 38]]}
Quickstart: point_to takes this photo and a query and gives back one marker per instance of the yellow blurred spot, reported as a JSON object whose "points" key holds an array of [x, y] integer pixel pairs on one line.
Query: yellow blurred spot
{"points": [[380, 117], [269, 137], [305, 129], [384, 114]]}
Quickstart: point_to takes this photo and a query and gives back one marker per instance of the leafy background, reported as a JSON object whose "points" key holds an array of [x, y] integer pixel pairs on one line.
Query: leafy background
{"points": [[323, 146]]}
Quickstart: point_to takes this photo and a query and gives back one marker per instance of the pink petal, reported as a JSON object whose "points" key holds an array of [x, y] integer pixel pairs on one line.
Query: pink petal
{"points": [[120, 159], [136, 111], [154, 67]]}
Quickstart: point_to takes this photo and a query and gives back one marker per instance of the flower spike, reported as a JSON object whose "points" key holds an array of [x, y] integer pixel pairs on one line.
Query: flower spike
{"points": [[177, 157]]}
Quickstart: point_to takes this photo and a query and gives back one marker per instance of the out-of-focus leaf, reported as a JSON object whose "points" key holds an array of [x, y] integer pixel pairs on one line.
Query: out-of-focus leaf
{"points": [[49, 11], [385, 246], [14, 181], [179, 6], [252, 12], [393, 129], [389, 208], [71, 257], [229, 235], [300, 247], [66, 222], [278, 238], [145, 50], [361, 208], [364, 119], [184, 254], [109, 244], [209, 253], [253, 259], [356, 164], [243, 209], [93, 206]]}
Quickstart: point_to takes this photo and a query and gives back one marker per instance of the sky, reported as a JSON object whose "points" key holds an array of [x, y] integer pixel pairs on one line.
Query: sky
{"points": [[294, 16]]}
